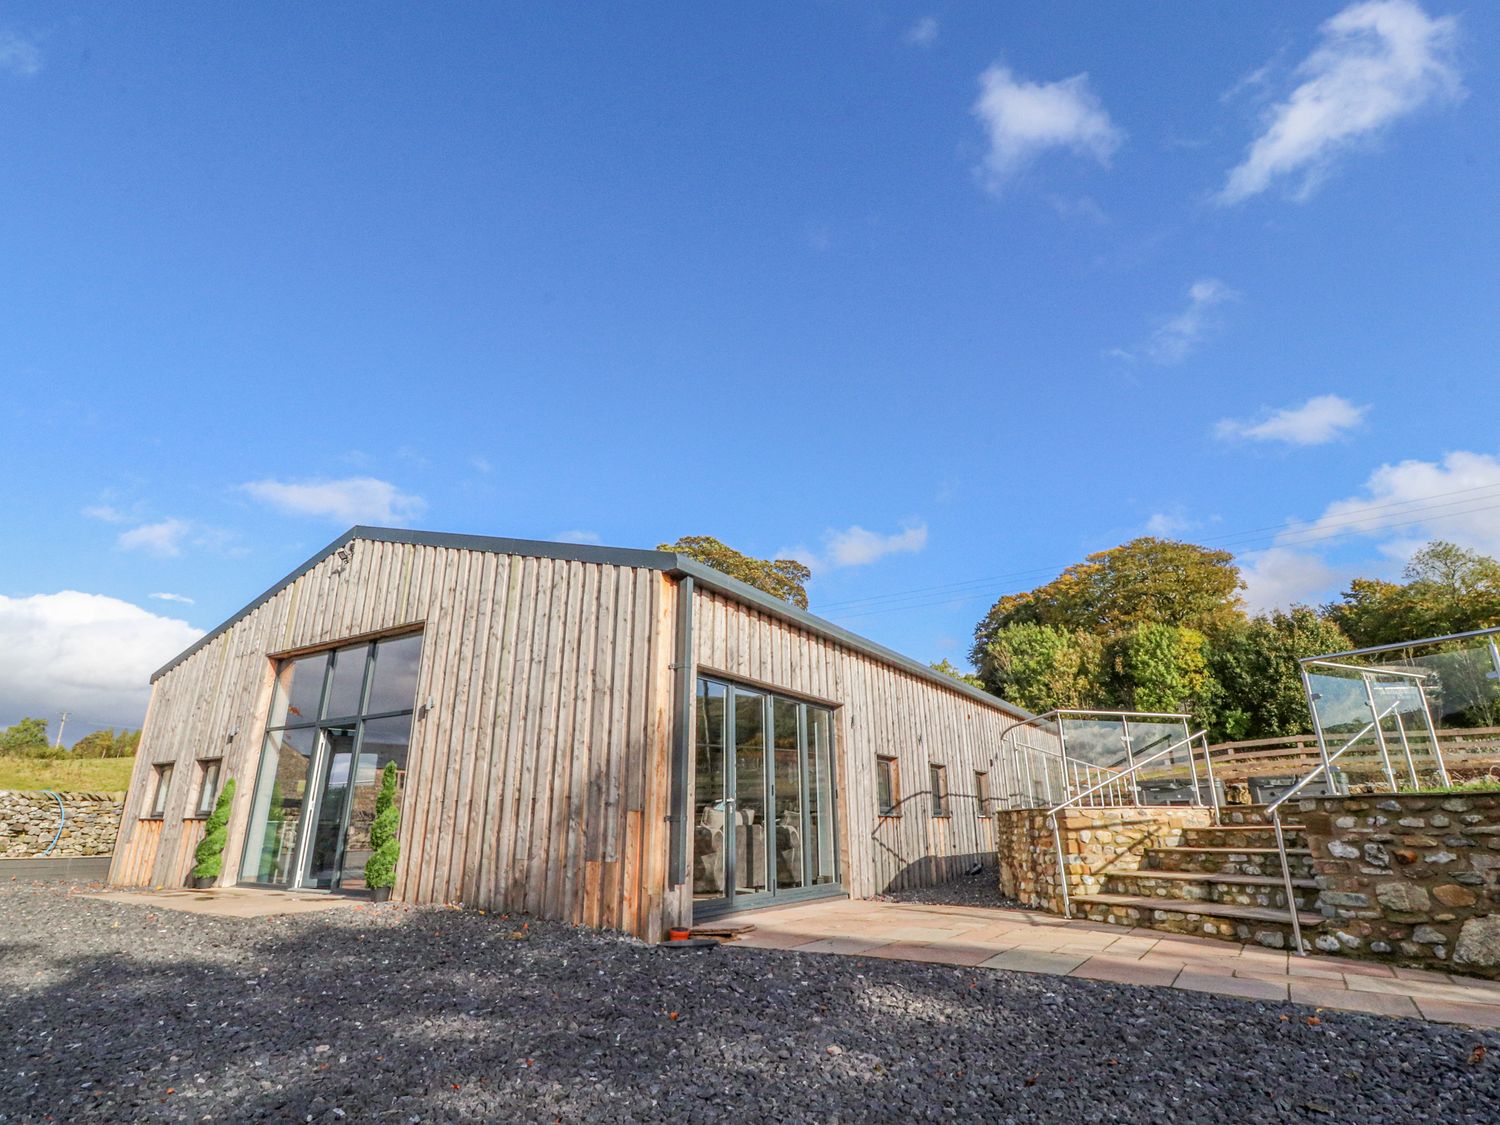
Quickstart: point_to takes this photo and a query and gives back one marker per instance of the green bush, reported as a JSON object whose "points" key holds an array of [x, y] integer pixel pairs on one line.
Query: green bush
{"points": [[380, 871], [209, 858]]}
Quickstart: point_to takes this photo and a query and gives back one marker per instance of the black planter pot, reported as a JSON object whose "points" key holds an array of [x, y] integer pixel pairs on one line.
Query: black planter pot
{"points": [[380, 894], [202, 883]]}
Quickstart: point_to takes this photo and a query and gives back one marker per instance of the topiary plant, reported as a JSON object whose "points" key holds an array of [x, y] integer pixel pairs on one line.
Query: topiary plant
{"points": [[209, 858], [380, 871]]}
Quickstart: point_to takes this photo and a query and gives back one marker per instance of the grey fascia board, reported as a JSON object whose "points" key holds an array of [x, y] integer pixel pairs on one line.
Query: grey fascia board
{"points": [[785, 611], [668, 562]]}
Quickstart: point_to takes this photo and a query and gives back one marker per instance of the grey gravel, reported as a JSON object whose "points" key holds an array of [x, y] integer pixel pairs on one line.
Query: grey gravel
{"points": [[982, 889], [388, 1013]]}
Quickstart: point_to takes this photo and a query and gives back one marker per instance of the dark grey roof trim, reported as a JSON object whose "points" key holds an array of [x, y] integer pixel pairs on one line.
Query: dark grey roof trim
{"points": [[668, 562]]}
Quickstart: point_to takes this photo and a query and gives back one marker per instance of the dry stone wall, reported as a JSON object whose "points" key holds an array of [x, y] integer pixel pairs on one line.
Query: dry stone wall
{"points": [[1409, 878], [1094, 841], [29, 820]]}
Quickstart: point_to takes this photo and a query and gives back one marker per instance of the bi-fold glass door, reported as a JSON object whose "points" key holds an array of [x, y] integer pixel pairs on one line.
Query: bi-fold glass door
{"points": [[764, 824]]}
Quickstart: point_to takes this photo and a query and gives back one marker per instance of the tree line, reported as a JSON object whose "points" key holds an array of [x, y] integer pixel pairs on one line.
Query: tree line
{"points": [[1159, 625], [28, 739]]}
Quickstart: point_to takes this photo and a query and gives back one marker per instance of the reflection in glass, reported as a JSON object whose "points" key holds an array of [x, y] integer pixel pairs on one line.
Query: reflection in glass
{"points": [[787, 792], [709, 828], [750, 791], [393, 686], [299, 688], [347, 682], [280, 797], [820, 820], [323, 854], [381, 741]]}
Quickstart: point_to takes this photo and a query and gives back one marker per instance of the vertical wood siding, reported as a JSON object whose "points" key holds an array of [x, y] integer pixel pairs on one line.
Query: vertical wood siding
{"points": [[537, 781], [882, 710]]}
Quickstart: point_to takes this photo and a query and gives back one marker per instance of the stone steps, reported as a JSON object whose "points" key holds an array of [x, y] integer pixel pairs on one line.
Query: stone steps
{"points": [[1241, 836], [1191, 886], [1228, 861], [1232, 922]]}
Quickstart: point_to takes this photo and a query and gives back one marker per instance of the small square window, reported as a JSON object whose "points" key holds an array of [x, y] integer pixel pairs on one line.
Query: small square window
{"points": [[208, 784], [981, 793], [887, 792], [939, 778], [159, 795]]}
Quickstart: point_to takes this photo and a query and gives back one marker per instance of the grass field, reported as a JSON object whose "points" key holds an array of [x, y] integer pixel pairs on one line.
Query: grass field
{"points": [[78, 775]]}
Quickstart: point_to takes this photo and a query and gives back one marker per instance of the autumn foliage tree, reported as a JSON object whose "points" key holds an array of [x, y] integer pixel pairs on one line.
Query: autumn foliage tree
{"points": [[781, 578]]}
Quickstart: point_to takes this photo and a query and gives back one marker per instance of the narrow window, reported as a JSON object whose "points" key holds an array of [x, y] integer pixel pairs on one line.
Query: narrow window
{"points": [[981, 794], [887, 793], [939, 777], [208, 784], [159, 797]]}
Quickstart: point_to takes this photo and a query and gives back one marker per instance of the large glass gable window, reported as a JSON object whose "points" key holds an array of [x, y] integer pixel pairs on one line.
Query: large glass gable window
{"points": [[336, 719]]}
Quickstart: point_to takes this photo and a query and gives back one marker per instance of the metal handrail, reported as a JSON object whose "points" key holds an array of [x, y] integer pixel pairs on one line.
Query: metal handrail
{"points": [[1273, 810], [1062, 874]]}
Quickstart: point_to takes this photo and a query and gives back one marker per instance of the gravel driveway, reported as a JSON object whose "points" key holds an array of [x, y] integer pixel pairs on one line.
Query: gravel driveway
{"points": [[117, 1012]]}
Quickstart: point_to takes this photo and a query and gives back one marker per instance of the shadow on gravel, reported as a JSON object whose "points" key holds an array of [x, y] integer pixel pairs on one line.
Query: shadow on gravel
{"points": [[443, 1015]]}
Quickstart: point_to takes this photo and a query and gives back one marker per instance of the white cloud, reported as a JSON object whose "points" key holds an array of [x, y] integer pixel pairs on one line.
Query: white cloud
{"points": [[1165, 525], [1406, 504], [163, 538], [1281, 577], [855, 546], [584, 537], [923, 33], [363, 500], [1024, 119], [1377, 62], [1177, 338], [88, 654], [1317, 421], [182, 598], [19, 55], [106, 514], [480, 464]]}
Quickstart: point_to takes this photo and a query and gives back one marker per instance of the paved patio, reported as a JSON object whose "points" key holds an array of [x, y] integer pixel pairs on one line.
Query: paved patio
{"points": [[1032, 942], [231, 902]]}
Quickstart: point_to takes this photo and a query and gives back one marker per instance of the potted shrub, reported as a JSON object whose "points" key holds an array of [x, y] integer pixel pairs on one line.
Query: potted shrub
{"points": [[208, 860], [380, 871]]}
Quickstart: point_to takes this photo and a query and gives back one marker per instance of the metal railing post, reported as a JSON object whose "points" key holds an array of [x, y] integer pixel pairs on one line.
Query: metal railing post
{"points": [[1385, 754], [1411, 763], [1286, 878], [1312, 706], [1213, 786], [1062, 868]]}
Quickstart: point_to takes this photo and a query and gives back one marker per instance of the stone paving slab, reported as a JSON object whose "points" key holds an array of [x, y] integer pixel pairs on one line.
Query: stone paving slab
{"points": [[232, 902], [1031, 942]]}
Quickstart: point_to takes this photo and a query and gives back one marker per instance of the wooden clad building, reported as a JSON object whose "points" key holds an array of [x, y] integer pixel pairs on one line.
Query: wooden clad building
{"points": [[617, 738]]}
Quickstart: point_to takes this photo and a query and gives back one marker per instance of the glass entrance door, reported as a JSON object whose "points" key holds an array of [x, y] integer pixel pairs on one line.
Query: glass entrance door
{"points": [[763, 809]]}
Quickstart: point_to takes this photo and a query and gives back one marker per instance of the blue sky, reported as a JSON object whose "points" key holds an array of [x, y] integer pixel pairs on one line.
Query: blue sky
{"points": [[938, 297]]}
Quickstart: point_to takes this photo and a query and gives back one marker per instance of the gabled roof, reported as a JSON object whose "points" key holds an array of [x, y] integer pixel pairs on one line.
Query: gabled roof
{"points": [[668, 562]]}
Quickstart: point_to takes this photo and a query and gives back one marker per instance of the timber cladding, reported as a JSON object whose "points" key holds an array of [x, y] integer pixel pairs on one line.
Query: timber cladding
{"points": [[538, 774], [537, 780]]}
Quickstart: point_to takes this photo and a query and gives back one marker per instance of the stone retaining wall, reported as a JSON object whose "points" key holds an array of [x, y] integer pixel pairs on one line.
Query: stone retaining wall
{"points": [[1094, 841], [1414, 879], [28, 822]]}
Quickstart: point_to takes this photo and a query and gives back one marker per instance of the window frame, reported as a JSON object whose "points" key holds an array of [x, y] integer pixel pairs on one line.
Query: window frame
{"points": [[981, 793], [892, 766], [204, 809], [937, 779], [161, 774]]}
